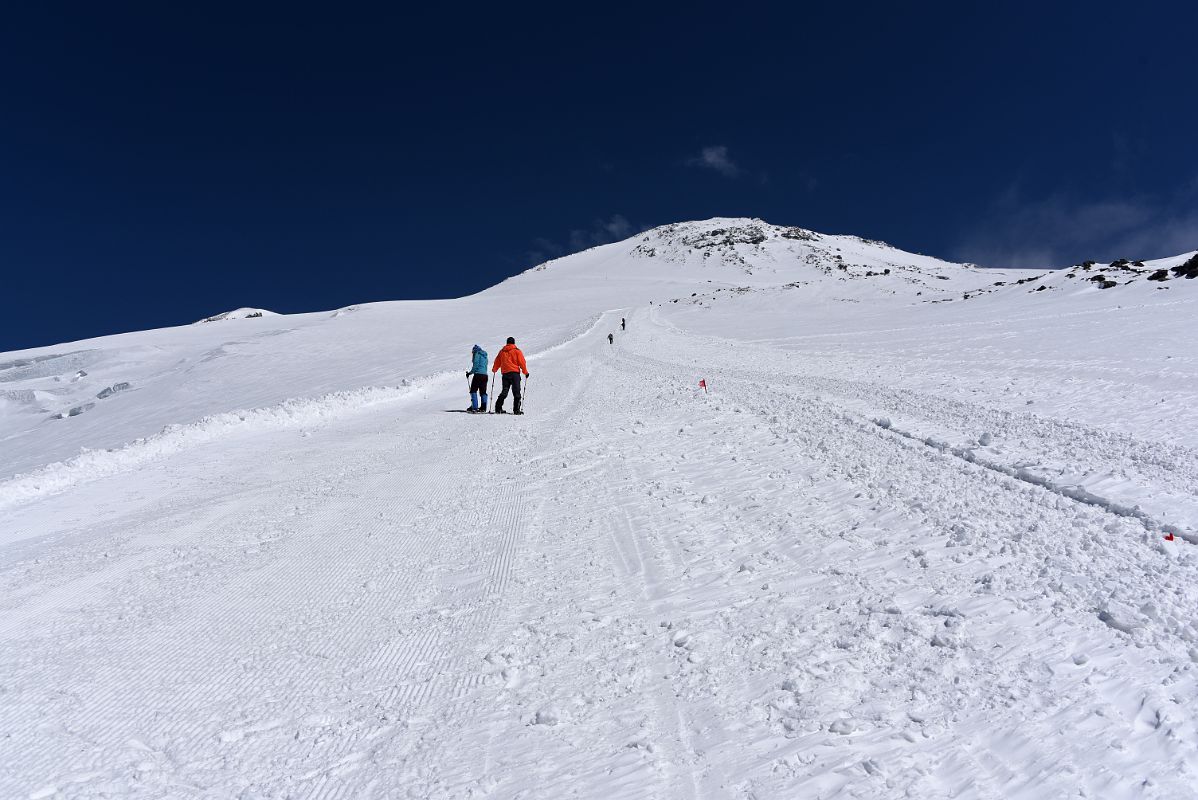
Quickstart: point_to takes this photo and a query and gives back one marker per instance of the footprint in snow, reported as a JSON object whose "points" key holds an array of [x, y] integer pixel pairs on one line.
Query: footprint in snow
{"points": [[842, 726], [109, 391], [547, 715], [74, 412]]}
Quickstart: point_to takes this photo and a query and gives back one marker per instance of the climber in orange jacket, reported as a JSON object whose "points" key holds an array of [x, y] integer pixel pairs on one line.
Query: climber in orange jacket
{"points": [[510, 362]]}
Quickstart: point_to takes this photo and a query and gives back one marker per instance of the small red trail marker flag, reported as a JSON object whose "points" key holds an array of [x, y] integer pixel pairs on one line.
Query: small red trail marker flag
{"points": [[703, 383]]}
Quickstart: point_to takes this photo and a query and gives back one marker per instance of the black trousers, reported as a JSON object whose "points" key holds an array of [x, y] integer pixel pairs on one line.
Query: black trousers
{"points": [[478, 384], [511, 380]]}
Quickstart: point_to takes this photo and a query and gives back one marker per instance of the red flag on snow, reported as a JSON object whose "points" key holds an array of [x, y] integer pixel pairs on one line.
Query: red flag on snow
{"points": [[1169, 537], [703, 383]]}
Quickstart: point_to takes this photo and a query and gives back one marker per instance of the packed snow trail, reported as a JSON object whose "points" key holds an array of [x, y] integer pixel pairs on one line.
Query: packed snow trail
{"points": [[636, 590]]}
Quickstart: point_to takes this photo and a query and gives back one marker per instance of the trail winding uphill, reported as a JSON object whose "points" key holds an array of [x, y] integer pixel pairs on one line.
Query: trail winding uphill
{"points": [[634, 590]]}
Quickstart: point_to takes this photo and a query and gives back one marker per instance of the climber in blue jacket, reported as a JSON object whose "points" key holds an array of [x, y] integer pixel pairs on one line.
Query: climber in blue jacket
{"points": [[478, 386]]}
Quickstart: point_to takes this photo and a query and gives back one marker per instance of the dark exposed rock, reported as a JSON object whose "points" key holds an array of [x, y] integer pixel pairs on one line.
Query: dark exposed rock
{"points": [[1189, 269], [800, 234]]}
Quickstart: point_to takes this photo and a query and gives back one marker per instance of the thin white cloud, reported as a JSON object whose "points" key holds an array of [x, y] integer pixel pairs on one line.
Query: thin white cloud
{"points": [[617, 228], [549, 246], [1060, 230], [716, 158], [543, 250], [601, 231]]}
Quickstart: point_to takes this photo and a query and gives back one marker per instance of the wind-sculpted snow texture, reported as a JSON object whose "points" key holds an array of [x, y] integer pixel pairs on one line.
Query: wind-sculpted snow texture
{"points": [[863, 565]]}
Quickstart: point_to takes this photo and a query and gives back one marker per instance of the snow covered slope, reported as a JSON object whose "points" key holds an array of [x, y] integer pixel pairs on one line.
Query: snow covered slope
{"points": [[911, 543], [49, 397]]}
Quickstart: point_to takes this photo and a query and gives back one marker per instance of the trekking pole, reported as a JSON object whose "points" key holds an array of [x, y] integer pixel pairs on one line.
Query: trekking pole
{"points": [[524, 399], [491, 394]]}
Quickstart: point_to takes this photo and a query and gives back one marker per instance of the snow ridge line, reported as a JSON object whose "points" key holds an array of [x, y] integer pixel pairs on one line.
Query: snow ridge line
{"points": [[291, 413], [1072, 492], [294, 412]]}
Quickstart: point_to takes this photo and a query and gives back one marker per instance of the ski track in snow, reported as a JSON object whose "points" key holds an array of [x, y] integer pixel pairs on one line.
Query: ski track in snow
{"points": [[1119, 472], [635, 590]]}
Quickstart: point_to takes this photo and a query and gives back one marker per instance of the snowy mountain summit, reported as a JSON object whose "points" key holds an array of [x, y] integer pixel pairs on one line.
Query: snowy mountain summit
{"points": [[757, 246], [789, 514], [754, 253], [238, 313]]}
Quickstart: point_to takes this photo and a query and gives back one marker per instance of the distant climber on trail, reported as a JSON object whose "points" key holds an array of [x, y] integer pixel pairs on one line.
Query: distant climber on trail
{"points": [[622, 323], [510, 362], [611, 339], [478, 385]]}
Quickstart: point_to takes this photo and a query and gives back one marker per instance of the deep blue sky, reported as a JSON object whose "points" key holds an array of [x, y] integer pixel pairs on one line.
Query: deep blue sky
{"points": [[160, 164]]}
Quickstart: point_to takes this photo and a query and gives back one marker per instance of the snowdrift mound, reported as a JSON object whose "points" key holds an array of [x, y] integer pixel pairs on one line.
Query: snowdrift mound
{"points": [[93, 464]]}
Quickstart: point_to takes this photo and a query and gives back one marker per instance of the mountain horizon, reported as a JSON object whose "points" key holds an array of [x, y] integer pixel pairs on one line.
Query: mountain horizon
{"points": [[739, 225]]}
